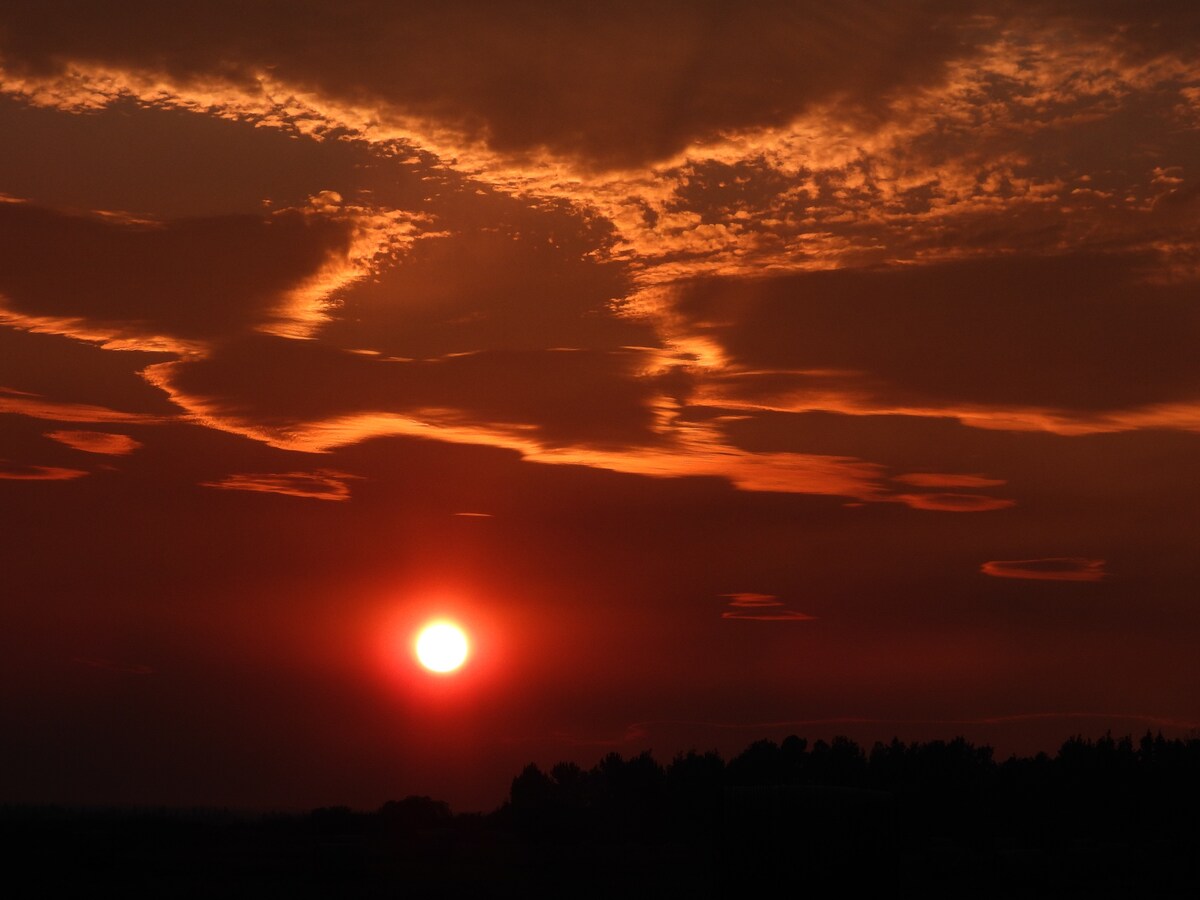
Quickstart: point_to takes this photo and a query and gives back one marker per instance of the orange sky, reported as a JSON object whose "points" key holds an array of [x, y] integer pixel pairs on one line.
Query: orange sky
{"points": [[728, 372]]}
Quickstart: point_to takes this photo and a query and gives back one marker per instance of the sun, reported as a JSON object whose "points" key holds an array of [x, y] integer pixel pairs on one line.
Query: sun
{"points": [[442, 647]]}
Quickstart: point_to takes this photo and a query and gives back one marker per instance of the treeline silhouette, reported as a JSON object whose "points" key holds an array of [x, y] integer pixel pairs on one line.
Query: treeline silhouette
{"points": [[945, 818], [1099, 813], [1105, 786]]}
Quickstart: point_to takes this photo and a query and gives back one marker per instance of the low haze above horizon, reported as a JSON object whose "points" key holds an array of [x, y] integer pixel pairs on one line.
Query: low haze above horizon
{"points": [[723, 371]]}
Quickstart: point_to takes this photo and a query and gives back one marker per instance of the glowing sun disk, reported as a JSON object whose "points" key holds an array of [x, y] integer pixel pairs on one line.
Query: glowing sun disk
{"points": [[442, 647]]}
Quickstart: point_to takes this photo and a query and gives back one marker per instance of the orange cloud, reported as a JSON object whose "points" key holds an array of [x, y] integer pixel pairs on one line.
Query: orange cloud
{"points": [[758, 188], [600, 409], [747, 599], [955, 502], [1061, 568], [979, 334], [38, 473], [610, 102], [96, 441], [37, 407], [323, 484], [835, 164], [286, 390], [173, 285]]}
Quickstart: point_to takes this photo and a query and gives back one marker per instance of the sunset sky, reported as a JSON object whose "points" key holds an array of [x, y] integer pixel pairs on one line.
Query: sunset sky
{"points": [[725, 370]]}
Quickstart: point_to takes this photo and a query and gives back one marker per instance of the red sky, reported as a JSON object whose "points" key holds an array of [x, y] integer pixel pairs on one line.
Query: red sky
{"points": [[726, 372]]}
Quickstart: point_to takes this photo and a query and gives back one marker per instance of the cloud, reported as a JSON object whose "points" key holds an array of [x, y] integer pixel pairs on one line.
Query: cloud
{"points": [[322, 484], [966, 133], [934, 155], [57, 377], [506, 277], [955, 502], [613, 86], [37, 407], [1063, 568], [762, 608], [1036, 463], [129, 157], [10, 472], [609, 410], [310, 395], [695, 451], [96, 441], [747, 599], [166, 285], [1059, 335]]}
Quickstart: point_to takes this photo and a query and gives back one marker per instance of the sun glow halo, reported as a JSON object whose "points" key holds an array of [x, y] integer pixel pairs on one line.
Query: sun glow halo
{"points": [[442, 647]]}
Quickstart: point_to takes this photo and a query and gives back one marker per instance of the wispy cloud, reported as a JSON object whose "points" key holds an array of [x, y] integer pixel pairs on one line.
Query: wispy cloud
{"points": [[955, 502], [322, 484], [751, 600], [112, 285], [11, 472], [96, 441], [761, 607], [1057, 568], [37, 407]]}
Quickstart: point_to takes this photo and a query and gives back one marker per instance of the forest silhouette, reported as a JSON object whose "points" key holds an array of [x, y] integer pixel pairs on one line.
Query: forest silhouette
{"points": [[1100, 818]]}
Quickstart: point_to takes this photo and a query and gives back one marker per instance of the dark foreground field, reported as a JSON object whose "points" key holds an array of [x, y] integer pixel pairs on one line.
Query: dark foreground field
{"points": [[1102, 818]]}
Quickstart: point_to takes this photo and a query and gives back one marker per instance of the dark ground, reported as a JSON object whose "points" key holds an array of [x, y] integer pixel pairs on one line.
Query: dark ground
{"points": [[1102, 818]]}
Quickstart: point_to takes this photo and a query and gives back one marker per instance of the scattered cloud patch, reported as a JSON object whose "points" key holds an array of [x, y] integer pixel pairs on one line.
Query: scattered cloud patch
{"points": [[10, 472], [323, 484], [96, 441], [955, 502], [752, 600], [761, 607], [474, 515], [1057, 568]]}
